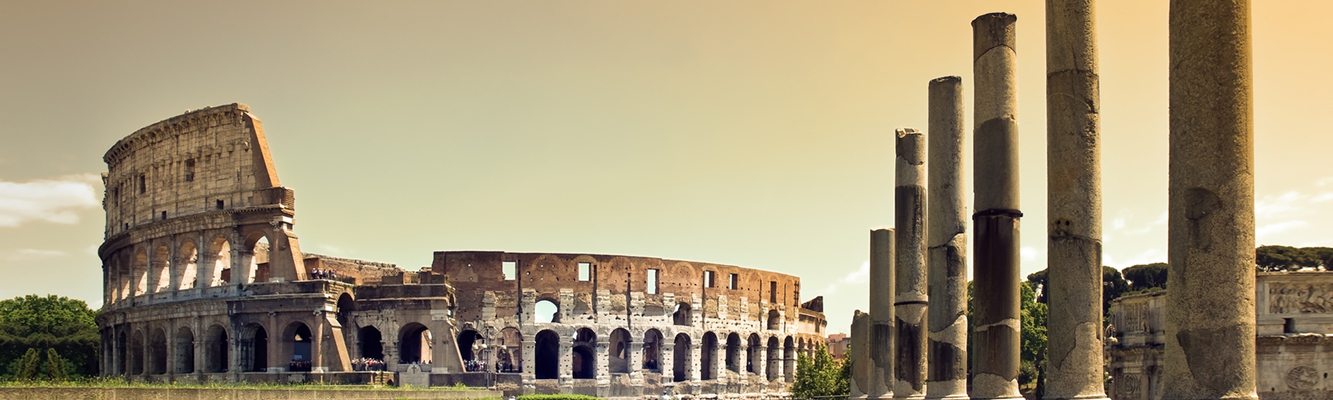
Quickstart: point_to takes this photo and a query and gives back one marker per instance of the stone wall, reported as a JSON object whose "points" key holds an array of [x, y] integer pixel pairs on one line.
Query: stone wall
{"points": [[60, 393]]}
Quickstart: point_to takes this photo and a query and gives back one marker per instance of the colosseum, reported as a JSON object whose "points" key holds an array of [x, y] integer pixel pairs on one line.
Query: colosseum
{"points": [[205, 280]]}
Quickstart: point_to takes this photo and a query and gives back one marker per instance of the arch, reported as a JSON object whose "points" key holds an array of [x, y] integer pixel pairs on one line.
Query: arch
{"points": [[466, 339], [733, 354], [254, 256], [414, 344], [752, 353], [157, 352], [681, 315], [652, 350], [774, 357], [509, 354], [161, 270], [254, 348], [547, 311], [708, 357], [137, 345], [216, 347], [218, 272], [547, 355], [188, 275], [297, 341], [774, 320], [681, 358], [788, 359], [584, 365], [370, 342], [184, 350], [618, 360], [140, 273]]}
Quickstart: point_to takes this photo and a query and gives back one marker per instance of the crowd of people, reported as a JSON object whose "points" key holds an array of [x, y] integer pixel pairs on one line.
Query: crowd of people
{"points": [[323, 274], [367, 364], [298, 366]]}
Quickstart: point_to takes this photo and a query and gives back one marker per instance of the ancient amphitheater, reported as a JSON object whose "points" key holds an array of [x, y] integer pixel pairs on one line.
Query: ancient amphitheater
{"points": [[206, 281]]}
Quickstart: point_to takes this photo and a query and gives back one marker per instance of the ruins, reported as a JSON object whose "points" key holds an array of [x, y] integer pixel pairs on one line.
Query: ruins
{"points": [[909, 305], [946, 363], [205, 281]]}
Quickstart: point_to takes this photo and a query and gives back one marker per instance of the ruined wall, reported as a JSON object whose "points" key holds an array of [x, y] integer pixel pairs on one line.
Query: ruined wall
{"points": [[350, 270]]}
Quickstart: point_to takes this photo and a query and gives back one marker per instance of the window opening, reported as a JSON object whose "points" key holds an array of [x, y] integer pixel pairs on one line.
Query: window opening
{"points": [[143, 184], [220, 204], [734, 283], [652, 281], [189, 170], [510, 269], [585, 272], [164, 215], [708, 279], [772, 291]]}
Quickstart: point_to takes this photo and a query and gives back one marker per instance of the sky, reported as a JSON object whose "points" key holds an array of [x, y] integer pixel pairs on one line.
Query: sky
{"points": [[749, 133]]}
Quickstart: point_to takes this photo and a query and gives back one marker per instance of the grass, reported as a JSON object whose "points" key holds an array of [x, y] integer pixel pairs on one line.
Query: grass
{"points": [[122, 383]]}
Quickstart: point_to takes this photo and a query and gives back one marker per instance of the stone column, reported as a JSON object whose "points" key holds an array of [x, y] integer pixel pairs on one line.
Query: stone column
{"points": [[602, 353], [696, 360], [946, 347], [876, 344], [861, 358], [1210, 308], [635, 361], [317, 344], [910, 266], [761, 363], [667, 361], [1073, 203], [995, 145]]}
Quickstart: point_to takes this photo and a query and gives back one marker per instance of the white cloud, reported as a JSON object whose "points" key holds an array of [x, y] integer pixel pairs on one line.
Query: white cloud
{"points": [[1279, 227], [29, 254], [1324, 182], [51, 200], [1322, 197], [1275, 206], [859, 276], [1028, 253]]}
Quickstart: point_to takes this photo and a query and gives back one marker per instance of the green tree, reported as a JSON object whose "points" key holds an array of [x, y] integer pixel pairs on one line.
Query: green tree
{"points": [[1032, 350], [1146, 276], [38, 323], [55, 366], [820, 375], [1285, 258], [28, 365]]}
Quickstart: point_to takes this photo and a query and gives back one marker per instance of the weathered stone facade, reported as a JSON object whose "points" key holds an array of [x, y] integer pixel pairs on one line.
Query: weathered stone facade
{"points": [[1294, 345], [205, 281]]}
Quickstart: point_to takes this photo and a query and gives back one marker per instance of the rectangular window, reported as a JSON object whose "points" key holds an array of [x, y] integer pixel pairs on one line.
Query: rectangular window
{"points": [[510, 269], [189, 170], [143, 184], [585, 272], [734, 283], [708, 279], [652, 281], [772, 291], [220, 204]]}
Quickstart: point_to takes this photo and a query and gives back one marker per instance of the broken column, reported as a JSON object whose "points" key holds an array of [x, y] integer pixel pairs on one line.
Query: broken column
{"points": [[946, 346], [1073, 203], [880, 339], [995, 145], [1209, 351], [909, 305], [861, 367]]}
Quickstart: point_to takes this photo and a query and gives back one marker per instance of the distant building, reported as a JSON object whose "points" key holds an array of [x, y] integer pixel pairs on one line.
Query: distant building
{"points": [[837, 344]]}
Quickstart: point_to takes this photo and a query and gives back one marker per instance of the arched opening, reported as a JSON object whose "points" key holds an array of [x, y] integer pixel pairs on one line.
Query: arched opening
{"points": [[618, 361], [547, 312], [219, 270], [733, 352], [774, 358], [157, 352], [371, 343], [548, 355], [254, 259], [254, 349], [345, 307], [652, 350], [161, 267], [215, 349], [466, 339], [752, 354], [121, 348], [774, 320], [414, 347], [681, 316], [788, 359], [681, 358], [708, 357], [584, 366], [298, 339], [509, 351], [184, 350], [140, 273], [188, 277], [136, 353]]}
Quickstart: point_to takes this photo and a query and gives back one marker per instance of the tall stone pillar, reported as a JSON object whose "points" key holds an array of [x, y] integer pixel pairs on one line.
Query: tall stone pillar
{"points": [[910, 266], [761, 364], [1073, 203], [878, 339], [1210, 308], [995, 145], [667, 360], [635, 361], [861, 359], [946, 348], [317, 344], [696, 360]]}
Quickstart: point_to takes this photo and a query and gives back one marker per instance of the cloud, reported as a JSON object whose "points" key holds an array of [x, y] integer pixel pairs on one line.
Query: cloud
{"points": [[51, 200], [1279, 227], [858, 276], [1028, 253], [1324, 182], [29, 254], [1322, 197], [1275, 206]]}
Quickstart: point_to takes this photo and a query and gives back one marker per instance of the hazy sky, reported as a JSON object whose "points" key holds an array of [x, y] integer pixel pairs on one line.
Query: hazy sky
{"points": [[752, 133]]}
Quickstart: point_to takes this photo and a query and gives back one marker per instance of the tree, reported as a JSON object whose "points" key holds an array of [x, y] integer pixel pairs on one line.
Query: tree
{"points": [[28, 365], [820, 375], [37, 323], [1146, 276], [1285, 258], [1032, 349], [55, 366]]}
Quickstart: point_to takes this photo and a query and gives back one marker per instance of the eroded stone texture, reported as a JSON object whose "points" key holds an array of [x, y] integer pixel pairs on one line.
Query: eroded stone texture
{"points": [[881, 330], [1073, 203], [1210, 305], [946, 349], [995, 144], [910, 266], [861, 359]]}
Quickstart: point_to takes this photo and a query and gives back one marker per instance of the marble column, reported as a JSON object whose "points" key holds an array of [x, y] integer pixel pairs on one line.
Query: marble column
{"points": [[879, 329], [861, 359], [910, 297], [946, 348], [995, 146], [1209, 351], [1073, 203]]}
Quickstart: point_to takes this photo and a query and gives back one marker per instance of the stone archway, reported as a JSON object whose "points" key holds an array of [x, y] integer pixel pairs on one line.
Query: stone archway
{"points": [[547, 356]]}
